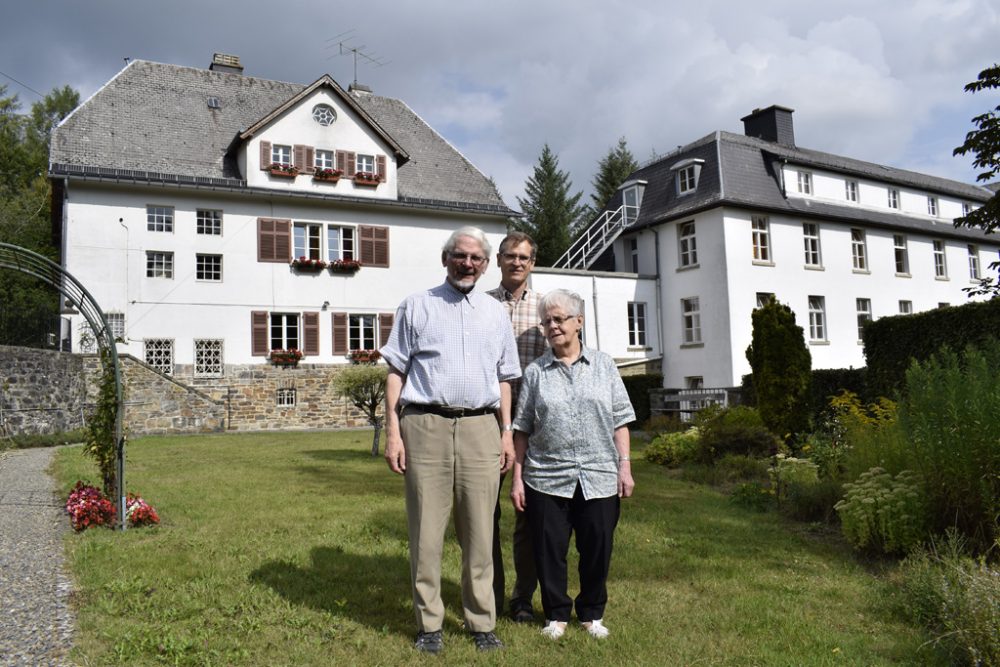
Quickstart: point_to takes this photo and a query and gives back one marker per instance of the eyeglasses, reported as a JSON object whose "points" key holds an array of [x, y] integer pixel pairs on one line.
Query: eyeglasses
{"points": [[460, 257], [513, 257], [558, 321]]}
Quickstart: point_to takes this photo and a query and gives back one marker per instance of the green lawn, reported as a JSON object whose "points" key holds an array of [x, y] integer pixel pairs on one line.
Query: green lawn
{"points": [[290, 549]]}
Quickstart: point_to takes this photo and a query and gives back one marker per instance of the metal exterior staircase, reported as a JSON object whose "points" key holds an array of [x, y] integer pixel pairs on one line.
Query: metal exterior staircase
{"points": [[594, 241]]}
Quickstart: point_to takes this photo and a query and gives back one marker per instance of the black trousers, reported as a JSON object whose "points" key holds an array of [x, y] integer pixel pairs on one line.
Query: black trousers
{"points": [[552, 519]]}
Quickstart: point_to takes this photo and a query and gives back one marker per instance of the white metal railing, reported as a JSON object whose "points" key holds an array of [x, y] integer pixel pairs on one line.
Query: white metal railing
{"points": [[594, 240], [686, 402]]}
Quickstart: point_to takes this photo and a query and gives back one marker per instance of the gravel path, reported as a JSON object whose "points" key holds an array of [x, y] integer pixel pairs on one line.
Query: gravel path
{"points": [[36, 624]]}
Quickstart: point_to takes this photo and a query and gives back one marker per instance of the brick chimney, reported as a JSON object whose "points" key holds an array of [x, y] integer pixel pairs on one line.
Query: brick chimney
{"points": [[223, 62], [771, 124]]}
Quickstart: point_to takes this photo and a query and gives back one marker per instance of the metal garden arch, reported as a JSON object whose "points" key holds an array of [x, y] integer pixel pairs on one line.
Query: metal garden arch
{"points": [[25, 261]]}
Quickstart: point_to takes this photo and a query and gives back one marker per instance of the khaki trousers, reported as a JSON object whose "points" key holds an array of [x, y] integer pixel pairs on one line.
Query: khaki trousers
{"points": [[451, 462]]}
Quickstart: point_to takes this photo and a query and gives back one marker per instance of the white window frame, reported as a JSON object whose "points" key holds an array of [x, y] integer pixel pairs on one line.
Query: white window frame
{"points": [[307, 240], [859, 249], [760, 227], [284, 331], [901, 254], [864, 308], [365, 163], [811, 245], [284, 397], [630, 203], [893, 198], [159, 218], [940, 260], [905, 307], [159, 354], [966, 208], [341, 242], [851, 191], [687, 244], [691, 320], [633, 253], [159, 264], [975, 274], [932, 206], [208, 267], [281, 154], [208, 222], [636, 324], [209, 357], [804, 181], [116, 325], [362, 331], [324, 159], [687, 180], [764, 298], [817, 319]]}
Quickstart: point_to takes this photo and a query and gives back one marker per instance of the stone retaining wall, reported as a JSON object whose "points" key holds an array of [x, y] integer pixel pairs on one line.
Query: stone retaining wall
{"points": [[41, 391]]}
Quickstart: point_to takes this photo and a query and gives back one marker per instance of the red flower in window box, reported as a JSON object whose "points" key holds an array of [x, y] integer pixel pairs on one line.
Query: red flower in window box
{"points": [[305, 264], [327, 175], [288, 357], [283, 170], [345, 265], [370, 357], [366, 178]]}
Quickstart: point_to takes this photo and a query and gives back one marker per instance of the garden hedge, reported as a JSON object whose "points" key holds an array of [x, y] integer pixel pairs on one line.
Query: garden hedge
{"points": [[638, 387]]}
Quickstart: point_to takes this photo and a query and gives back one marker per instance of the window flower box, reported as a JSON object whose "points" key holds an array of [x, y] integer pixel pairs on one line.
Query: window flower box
{"points": [[345, 266], [285, 357], [367, 178], [369, 357], [283, 170], [306, 264], [327, 175]]}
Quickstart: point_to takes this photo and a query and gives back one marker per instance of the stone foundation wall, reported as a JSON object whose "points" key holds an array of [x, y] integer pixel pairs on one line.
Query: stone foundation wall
{"points": [[41, 391]]}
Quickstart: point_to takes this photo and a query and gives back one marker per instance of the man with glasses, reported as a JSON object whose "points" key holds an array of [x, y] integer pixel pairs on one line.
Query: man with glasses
{"points": [[517, 258], [451, 357]]}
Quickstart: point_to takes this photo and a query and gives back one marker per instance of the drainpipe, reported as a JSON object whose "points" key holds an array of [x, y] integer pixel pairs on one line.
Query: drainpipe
{"points": [[597, 324], [659, 304]]}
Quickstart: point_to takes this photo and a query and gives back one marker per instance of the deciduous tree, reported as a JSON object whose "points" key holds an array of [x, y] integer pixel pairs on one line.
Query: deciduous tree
{"points": [[364, 386]]}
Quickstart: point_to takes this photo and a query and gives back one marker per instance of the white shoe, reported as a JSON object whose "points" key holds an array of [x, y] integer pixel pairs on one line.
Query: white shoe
{"points": [[596, 629], [555, 629]]}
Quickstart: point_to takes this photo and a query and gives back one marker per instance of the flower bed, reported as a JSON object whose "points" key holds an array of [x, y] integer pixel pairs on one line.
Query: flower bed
{"points": [[139, 512], [88, 507], [285, 357], [345, 265]]}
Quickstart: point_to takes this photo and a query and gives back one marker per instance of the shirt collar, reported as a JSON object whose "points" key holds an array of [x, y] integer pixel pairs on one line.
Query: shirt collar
{"points": [[549, 358]]}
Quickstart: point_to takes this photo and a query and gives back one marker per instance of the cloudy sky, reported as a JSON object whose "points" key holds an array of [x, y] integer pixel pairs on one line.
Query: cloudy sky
{"points": [[880, 81]]}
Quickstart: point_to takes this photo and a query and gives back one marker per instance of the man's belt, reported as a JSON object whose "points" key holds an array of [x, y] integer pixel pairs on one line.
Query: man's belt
{"points": [[450, 412]]}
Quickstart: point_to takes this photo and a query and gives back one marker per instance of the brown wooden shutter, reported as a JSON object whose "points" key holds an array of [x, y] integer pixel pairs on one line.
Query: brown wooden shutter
{"points": [[380, 167], [310, 160], [342, 161], [310, 334], [258, 334], [385, 321], [274, 242], [340, 333], [265, 155], [351, 164], [299, 157], [374, 245]]}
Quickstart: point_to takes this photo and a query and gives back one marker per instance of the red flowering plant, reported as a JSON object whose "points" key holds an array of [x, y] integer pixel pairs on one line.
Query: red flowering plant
{"points": [[283, 168], [288, 357], [367, 177], [345, 265], [139, 512], [327, 174], [88, 507], [364, 356], [305, 263]]}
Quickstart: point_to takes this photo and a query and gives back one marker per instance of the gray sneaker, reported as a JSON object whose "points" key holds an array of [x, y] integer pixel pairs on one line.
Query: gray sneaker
{"points": [[487, 641], [429, 642]]}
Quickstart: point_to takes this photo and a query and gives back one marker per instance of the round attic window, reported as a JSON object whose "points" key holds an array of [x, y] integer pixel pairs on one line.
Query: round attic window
{"points": [[324, 114]]}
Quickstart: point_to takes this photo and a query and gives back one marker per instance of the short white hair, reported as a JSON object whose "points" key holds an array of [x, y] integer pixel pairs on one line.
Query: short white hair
{"points": [[473, 233], [570, 302]]}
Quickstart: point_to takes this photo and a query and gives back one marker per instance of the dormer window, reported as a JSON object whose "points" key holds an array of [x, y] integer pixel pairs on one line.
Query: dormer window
{"points": [[324, 114], [631, 200], [805, 182], [932, 206], [688, 172], [281, 154]]}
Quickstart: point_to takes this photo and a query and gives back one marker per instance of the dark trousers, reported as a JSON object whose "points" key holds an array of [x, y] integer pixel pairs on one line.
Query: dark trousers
{"points": [[551, 520], [524, 561]]}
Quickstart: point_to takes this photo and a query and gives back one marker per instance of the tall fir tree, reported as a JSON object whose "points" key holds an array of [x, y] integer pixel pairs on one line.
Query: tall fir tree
{"points": [[552, 213], [612, 171]]}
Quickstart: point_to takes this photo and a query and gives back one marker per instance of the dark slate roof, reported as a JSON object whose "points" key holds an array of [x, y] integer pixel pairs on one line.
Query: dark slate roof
{"points": [[152, 122], [745, 171]]}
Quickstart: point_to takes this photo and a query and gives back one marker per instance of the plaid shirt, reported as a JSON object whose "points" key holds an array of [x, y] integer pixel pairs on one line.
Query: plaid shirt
{"points": [[531, 342]]}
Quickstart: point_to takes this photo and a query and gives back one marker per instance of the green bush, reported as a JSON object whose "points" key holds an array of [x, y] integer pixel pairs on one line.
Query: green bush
{"points": [[673, 449], [957, 599], [882, 513], [828, 454], [44, 439], [736, 430], [812, 501], [657, 424], [638, 387], [738, 467], [790, 470], [753, 496]]}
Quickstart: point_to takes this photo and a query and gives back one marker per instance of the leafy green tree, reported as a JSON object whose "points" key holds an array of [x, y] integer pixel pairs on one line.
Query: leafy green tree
{"points": [[552, 213], [612, 171], [984, 143], [782, 367], [364, 386]]}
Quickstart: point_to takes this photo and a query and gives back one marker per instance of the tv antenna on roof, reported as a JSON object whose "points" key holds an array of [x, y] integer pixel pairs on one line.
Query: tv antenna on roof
{"points": [[346, 48]]}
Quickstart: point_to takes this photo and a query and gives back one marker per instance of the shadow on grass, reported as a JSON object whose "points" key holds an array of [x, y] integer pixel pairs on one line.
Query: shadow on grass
{"points": [[341, 455]]}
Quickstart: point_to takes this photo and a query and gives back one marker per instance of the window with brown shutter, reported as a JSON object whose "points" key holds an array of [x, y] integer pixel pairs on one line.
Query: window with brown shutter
{"points": [[374, 245], [299, 157], [385, 321], [265, 155], [274, 242], [258, 333], [339, 333], [310, 334], [346, 163], [380, 167]]}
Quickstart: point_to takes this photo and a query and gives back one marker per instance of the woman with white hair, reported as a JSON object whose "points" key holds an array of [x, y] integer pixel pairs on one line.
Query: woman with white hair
{"points": [[571, 463]]}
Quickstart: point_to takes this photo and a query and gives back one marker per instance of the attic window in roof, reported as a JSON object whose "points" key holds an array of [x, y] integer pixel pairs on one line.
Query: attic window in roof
{"points": [[688, 172], [213, 103], [324, 114]]}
